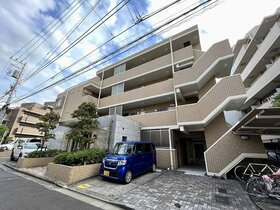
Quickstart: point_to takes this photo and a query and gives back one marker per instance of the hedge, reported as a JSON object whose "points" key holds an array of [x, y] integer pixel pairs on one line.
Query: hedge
{"points": [[83, 157], [43, 153]]}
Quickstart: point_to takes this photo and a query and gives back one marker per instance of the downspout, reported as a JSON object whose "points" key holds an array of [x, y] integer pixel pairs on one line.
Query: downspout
{"points": [[175, 97], [100, 87]]}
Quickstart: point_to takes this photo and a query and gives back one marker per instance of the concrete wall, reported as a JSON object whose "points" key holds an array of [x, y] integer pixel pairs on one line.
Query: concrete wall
{"points": [[60, 142], [123, 126]]}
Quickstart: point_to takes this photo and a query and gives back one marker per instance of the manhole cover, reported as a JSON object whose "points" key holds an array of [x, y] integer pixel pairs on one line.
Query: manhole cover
{"points": [[222, 190], [222, 199]]}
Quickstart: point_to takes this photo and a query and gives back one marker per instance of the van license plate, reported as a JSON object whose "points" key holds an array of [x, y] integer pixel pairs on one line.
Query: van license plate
{"points": [[106, 173]]}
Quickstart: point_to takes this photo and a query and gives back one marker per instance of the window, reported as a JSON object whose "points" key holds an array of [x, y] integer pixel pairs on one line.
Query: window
{"points": [[119, 69], [115, 110], [124, 138], [117, 89], [159, 137], [188, 43], [58, 102]]}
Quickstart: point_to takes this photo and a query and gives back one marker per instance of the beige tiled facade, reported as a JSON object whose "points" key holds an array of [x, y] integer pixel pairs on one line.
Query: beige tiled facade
{"points": [[180, 95], [22, 120]]}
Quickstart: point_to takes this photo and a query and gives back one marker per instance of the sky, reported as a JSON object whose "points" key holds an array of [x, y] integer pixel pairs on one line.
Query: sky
{"points": [[22, 20]]}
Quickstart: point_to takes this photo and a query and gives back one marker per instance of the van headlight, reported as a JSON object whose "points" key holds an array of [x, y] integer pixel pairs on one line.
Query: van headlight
{"points": [[103, 161], [122, 162]]}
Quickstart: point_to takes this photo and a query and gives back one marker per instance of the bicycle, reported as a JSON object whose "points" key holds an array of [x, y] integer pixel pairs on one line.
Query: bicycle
{"points": [[243, 173], [264, 187]]}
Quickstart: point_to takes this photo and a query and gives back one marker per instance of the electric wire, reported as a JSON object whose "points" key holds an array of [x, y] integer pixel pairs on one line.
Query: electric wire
{"points": [[49, 34], [89, 67], [85, 34], [60, 43], [141, 19], [44, 31], [99, 47]]}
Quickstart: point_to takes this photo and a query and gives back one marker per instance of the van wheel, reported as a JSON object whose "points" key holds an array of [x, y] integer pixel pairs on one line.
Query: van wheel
{"points": [[153, 168], [12, 158], [127, 177]]}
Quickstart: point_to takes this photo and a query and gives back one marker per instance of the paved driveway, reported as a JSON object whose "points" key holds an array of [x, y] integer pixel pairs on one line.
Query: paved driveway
{"points": [[171, 190]]}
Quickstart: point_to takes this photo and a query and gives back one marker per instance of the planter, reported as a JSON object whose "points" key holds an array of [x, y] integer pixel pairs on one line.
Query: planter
{"points": [[33, 162], [6, 153], [71, 174]]}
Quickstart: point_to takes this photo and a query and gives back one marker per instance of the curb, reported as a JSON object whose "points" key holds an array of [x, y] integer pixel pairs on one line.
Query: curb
{"points": [[62, 185]]}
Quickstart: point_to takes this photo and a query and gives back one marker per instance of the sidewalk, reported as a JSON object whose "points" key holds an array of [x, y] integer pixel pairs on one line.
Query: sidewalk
{"points": [[160, 190]]}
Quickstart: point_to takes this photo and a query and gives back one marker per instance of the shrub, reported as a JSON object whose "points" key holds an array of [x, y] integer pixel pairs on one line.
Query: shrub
{"points": [[44, 153], [82, 157]]}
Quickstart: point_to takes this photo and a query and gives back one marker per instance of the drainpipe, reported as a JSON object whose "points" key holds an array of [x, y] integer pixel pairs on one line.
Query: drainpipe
{"points": [[175, 97], [170, 150], [99, 95]]}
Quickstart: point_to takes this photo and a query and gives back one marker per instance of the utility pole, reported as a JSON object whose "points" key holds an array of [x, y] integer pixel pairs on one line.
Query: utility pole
{"points": [[17, 75]]}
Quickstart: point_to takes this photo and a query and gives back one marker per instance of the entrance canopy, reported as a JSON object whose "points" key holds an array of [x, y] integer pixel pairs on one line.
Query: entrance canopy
{"points": [[259, 121]]}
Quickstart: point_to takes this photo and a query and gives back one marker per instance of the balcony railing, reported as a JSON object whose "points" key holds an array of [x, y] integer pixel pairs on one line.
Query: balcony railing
{"points": [[154, 119], [150, 91], [150, 66], [213, 102], [28, 131], [203, 64], [29, 120]]}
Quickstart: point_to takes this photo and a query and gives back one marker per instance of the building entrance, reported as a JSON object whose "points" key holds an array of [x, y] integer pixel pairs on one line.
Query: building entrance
{"points": [[190, 150]]}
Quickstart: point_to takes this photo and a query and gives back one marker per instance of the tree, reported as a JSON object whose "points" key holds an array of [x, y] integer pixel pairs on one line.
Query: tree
{"points": [[47, 125], [276, 101], [81, 129], [3, 129]]}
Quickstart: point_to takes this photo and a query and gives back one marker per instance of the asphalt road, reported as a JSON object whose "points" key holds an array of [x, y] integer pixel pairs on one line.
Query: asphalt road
{"points": [[17, 193]]}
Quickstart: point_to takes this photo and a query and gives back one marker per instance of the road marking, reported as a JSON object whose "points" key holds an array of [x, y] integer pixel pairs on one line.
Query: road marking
{"points": [[84, 186]]}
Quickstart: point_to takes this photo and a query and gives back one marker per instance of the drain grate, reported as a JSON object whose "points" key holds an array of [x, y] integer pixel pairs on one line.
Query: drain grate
{"points": [[222, 190], [222, 200]]}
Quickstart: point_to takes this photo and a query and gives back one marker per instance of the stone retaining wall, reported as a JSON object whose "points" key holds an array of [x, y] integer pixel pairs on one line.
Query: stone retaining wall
{"points": [[71, 174], [6, 153], [33, 162]]}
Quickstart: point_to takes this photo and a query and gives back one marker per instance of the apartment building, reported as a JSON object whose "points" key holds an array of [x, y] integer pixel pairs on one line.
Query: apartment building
{"points": [[181, 96], [22, 120]]}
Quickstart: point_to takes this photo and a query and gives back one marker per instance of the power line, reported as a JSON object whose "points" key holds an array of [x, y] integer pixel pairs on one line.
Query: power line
{"points": [[49, 34], [143, 19], [42, 31], [60, 43], [90, 66], [85, 34]]}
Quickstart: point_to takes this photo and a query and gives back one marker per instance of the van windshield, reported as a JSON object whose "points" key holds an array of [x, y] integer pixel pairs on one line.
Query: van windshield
{"points": [[123, 149]]}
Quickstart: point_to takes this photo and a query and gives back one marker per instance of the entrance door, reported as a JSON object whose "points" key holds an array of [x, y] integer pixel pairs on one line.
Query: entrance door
{"points": [[199, 152]]}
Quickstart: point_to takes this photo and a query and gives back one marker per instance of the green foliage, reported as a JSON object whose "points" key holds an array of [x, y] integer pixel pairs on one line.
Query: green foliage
{"points": [[276, 101], [83, 157], [3, 128], [87, 120], [44, 153], [47, 125]]}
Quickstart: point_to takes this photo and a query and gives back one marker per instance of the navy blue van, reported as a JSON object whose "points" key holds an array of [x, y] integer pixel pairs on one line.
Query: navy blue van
{"points": [[129, 159]]}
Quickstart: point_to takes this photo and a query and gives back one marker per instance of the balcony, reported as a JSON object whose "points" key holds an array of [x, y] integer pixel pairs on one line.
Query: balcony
{"points": [[264, 85], [29, 120], [216, 61], [28, 131], [267, 49], [147, 92], [36, 111], [155, 119], [227, 94], [151, 66]]}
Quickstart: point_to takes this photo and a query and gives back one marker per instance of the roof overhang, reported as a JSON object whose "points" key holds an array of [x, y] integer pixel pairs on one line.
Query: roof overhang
{"points": [[261, 121]]}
